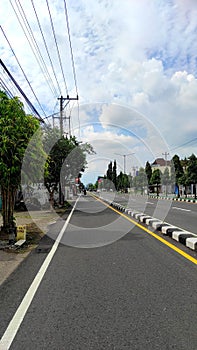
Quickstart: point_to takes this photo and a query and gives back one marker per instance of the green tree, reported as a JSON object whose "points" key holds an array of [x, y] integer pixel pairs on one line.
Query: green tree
{"points": [[65, 162], [148, 171], [114, 174], [123, 182], [184, 163], [142, 179], [156, 179], [192, 172], [16, 130], [165, 177], [91, 187], [176, 172], [109, 172]]}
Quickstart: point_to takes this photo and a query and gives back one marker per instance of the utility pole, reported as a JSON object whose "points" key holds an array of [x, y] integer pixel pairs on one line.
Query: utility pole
{"points": [[166, 154], [62, 99]]}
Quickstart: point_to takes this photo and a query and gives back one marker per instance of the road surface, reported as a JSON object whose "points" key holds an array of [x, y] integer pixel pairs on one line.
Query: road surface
{"points": [[105, 284], [182, 214]]}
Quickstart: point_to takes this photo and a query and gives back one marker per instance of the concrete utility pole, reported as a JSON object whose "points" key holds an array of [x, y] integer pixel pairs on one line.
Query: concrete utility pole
{"points": [[166, 154], [62, 99]]}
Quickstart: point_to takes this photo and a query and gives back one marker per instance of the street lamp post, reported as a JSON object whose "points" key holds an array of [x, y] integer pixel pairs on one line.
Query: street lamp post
{"points": [[124, 156]]}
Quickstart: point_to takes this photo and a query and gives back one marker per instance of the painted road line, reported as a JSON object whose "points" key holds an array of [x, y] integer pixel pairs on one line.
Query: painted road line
{"points": [[177, 208], [162, 240], [17, 319]]}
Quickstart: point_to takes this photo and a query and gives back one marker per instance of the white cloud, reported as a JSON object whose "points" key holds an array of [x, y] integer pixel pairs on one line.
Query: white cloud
{"points": [[139, 55]]}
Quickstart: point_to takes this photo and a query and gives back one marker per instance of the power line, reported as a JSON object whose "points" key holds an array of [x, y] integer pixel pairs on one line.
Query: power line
{"points": [[72, 57], [184, 144], [58, 52], [46, 47], [22, 70], [11, 89], [36, 48], [5, 88], [21, 91]]}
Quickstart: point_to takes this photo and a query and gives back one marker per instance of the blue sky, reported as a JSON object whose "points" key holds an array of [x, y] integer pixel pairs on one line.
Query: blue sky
{"points": [[136, 67]]}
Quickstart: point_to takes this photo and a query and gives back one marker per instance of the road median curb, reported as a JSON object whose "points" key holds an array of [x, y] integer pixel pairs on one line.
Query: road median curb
{"points": [[188, 239]]}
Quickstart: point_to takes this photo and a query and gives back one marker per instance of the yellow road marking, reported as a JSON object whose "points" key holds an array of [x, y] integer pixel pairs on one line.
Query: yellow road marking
{"points": [[170, 245]]}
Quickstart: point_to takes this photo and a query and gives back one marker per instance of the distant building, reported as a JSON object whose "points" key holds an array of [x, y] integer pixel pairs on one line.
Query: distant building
{"points": [[161, 164]]}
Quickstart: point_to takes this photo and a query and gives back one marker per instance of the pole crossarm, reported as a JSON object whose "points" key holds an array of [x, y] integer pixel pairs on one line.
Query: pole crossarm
{"points": [[62, 99]]}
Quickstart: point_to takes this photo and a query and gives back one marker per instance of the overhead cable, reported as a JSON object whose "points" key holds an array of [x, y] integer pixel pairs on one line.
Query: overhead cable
{"points": [[22, 69], [184, 144], [71, 50], [5, 88], [58, 52], [45, 44], [34, 46], [21, 91]]}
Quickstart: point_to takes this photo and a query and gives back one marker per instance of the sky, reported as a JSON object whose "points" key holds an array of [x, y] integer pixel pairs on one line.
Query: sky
{"points": [[136, 73]]}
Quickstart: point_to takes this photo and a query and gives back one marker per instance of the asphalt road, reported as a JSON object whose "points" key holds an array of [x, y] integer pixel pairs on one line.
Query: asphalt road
{"points": [[181, 214], [108, 285]]}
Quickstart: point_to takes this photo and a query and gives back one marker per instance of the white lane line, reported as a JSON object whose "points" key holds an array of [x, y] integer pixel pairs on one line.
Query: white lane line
{"points": [[17, 319], [149, 203], [177, 208]]}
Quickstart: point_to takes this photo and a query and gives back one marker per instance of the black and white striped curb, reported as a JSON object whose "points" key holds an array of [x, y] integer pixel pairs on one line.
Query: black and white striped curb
{"points": [[177, 199], [191, 200], [187, 238]]}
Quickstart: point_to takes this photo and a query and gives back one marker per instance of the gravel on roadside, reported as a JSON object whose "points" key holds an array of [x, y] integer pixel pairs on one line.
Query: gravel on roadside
{"points": [[38, 223]]}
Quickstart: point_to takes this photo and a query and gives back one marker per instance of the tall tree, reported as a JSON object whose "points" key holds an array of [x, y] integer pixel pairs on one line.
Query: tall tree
{"points": [[65, 162], [109, 172], [16, 130], [142, 179], [165, 177], [192, 172], [114, 175], [148, 171], [156, 179], [123, 182], [176, 172]]}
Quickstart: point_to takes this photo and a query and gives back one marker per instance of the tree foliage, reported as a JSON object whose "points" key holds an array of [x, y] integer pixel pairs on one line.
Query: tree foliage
{"points": [[111, 176], [16, 130], [66, 160], [123, 182], [140, 181], [148, 171], [191, 172], [177, 172], [110, 172]]}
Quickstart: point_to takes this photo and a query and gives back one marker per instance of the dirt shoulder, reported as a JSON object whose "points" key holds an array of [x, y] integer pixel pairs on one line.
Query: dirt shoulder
{"points": [[37, 225]]}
